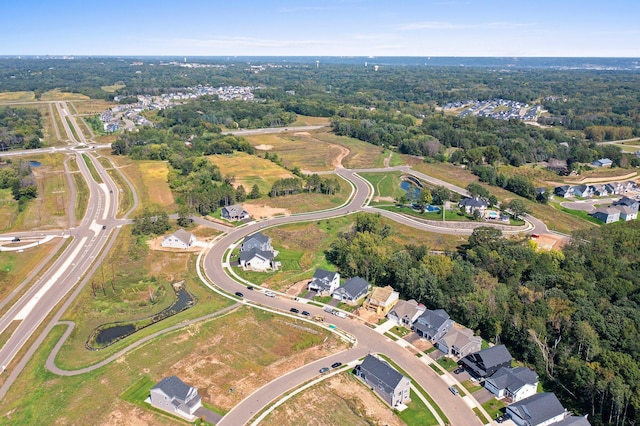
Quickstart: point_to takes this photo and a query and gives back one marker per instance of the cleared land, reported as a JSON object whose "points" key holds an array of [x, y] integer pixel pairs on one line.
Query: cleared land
{"points": [[25, 96], [57, 95], [350, 402], [92, 106], [305, 120], [361, 154], [250, 170], [149, 179]]}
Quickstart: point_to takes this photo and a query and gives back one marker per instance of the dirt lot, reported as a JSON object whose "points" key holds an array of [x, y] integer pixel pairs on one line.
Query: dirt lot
{"points": [[550, 241], [263, 211], [350, 401]]}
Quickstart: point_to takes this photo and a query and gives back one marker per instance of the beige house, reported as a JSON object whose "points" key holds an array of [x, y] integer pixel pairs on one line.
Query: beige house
{"points": [[180, 239], [382, 299]]}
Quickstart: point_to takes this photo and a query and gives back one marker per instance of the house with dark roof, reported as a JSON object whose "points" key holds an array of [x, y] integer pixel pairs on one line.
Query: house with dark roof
{"points": [[564, 191], [352, 290], [258, 260], [459, 342], [324, 282], [627, 213], [598, 190], [607, 214], [614, 188], [256, 241], [582, 191], [514, 384], [234, 212], [573, 421], [176, 397], [540, 409], [627, 202], [486, 362], [474, 204], [180, 239], [393, 387], [405, 312], [433, 324]]}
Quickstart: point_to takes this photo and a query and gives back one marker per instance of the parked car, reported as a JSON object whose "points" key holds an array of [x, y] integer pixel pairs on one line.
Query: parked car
{"points": [[270, 293], [305, 313], [239, 294], [458, 370], [502, 418], [453, 390], [324, 370], [294, 310], [336, 364]]}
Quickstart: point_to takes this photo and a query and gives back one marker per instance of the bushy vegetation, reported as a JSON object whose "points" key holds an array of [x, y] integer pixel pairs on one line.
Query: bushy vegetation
{"points": [[19, 178], [20, 128]]}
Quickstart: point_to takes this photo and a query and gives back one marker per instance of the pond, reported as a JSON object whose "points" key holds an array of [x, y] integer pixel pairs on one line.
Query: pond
{"points": [[35, 163], [107, 334], [411, 190]]}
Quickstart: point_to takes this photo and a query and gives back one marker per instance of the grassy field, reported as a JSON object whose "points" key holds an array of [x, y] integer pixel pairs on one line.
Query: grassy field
{"points": [[361, 154], [149, 179], [305, 120], [385, 184], [113, 87], [57, 95], [25, 96], [302, 149], [306, 202], [92, 106], [214, 356], [250, 170]]}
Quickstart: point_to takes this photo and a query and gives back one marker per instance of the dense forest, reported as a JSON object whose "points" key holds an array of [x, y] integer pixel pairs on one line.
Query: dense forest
{"points": [[573, 316], [20, 128]]}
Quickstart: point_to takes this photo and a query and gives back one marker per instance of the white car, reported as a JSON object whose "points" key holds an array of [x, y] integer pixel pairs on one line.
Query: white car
{"points": [[270, 293]]}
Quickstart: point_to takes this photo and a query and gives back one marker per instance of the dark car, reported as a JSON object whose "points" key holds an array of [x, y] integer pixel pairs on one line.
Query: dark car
{"points": [[502, 418], [104, 226], [250, 287], [336, 364], [294, 310], [458, 370], [324, 370], [15, 239], [239, 294], [305, 313]]}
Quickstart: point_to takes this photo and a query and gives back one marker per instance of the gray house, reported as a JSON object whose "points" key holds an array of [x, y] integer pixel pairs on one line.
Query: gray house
{"points": [[256, 241], [351, 291], [459, 342], [472, 204], [486, 362], [393, 387], [405, 312], [432, 325], [538, 410], [627, 202], [324, 282], [174, 396], [564, 191], [515, 384], [234, 212], [607, 214]]}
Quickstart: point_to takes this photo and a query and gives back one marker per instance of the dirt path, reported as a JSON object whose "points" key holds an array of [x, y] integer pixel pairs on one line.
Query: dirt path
{"points": [[388, 159]]}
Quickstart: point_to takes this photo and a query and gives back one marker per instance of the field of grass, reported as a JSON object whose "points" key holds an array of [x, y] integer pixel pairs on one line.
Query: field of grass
{"points": [[149, 179], [581, 214], [305, 120], [113, 87], [214, 356], [302, 149], [306, 202], [57, 95], [24, 96], [361, 154], [92, 106], [250, 170], [385, 184]]}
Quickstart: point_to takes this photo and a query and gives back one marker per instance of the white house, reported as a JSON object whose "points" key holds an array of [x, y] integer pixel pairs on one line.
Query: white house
{"points": [[515, 384], [174, 396], [405, 312], [257, 260], [324, 282], [180, 239]]}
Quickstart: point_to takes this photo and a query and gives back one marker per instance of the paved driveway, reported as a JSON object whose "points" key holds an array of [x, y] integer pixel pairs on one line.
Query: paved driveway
{"points": [[208, 415]]}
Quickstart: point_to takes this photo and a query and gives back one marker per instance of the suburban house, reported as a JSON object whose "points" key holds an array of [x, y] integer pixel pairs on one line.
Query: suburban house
{"points": [[540, 409], [393, 387], [405, 312], [573, 421], [627, 213], [176, 397], [459, 342], [180, 239], [614, 188], [486, 362], [598, 190], [627, 202], [351, 291], [256, 241], [607, 214], [382, 299], [324, 282], [564, 191], [582, 191], [603, 162], [432, 325], [234, 212], [515, 384], [474, 204], [258, 260]]}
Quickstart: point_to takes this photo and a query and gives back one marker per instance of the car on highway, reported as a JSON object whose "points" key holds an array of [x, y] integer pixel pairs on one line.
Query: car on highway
{"points": [[324, 370], [294, 310], [453, 390], [270, 293], [305, 313], [336, 364], [239, 294]]}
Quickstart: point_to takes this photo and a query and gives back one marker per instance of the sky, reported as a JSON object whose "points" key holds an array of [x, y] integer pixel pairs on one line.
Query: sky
{"points": [[515, 28]]}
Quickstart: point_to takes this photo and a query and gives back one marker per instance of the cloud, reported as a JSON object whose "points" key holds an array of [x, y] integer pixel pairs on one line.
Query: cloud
{"points": [[442, 25]]}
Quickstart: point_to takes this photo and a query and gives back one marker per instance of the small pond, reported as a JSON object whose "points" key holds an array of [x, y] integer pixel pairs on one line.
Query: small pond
{"points": [[411, 190], [35, 163], [107, 334]]}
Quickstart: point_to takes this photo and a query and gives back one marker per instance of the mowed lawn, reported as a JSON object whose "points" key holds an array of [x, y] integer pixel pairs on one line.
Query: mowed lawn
{"points": [[300, 149], [250, 170], [150, 181]]}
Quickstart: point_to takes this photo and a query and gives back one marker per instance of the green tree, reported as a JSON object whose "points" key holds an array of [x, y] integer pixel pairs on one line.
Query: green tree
{"points": [[255, 192], [518, 208]]}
